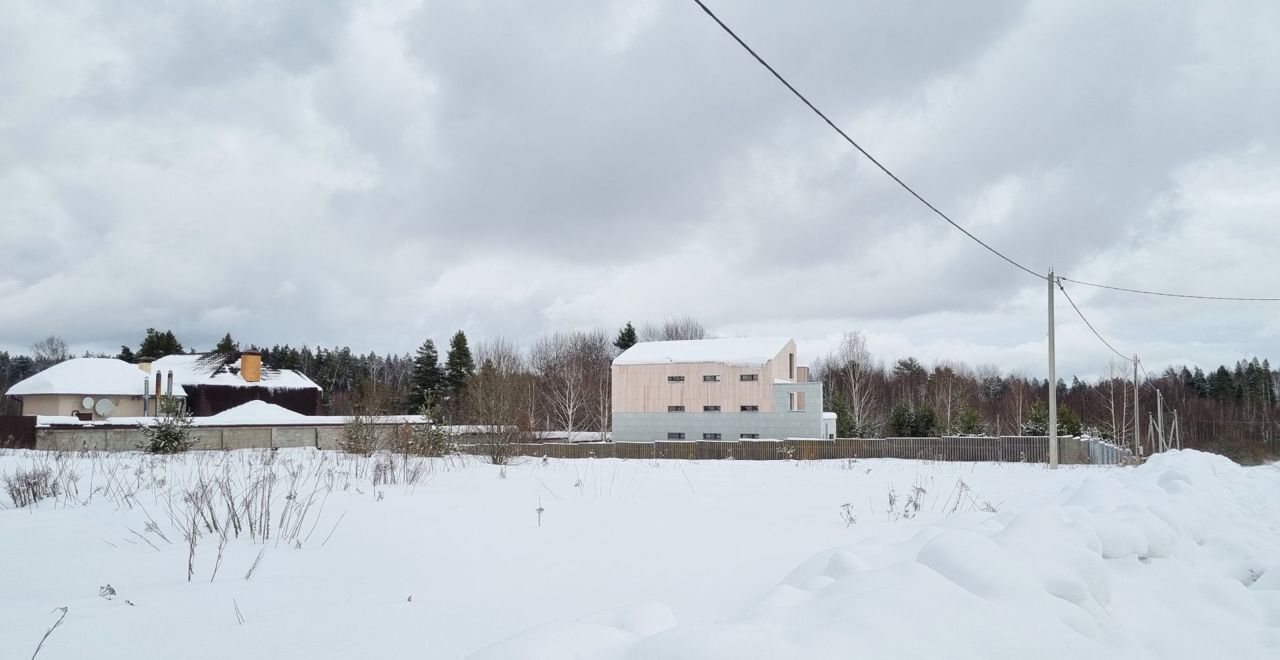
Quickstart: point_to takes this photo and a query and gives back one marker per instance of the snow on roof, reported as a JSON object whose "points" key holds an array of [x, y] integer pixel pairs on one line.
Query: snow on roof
{"points": [[189, 370], [88, 376], [744, 351], [255, 411]]}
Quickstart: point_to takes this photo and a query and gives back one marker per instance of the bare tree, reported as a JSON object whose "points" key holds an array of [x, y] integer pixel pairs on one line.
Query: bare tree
{"points": [[573, 374], [856, 377], [1115, 419], [497, 397], [950, 386], [49, 351], [673, 329]]}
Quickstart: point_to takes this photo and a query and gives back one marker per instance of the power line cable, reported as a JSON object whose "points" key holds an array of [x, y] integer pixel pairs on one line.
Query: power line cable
{"points": [[1090, 325], [920, 197], [1168, 295], [857, 146]]}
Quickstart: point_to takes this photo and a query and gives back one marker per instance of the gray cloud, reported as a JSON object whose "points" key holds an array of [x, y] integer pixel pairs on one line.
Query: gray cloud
{"points": [[372, 173]]}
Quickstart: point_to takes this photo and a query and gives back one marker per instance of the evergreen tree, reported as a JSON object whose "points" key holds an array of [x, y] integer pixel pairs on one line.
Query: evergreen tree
{"points": [[458, 368], [626, 337], [427, 383], [227, 345], [1037, 420], [923, 422], [970, 422], [1068, 422], [900, 420], [126, 354], [844, 422], [158, 344]]}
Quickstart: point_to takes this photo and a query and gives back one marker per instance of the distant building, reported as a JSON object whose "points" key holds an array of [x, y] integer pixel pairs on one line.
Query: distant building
{"points": [[215, 382], [715, 389], [88, 388]]}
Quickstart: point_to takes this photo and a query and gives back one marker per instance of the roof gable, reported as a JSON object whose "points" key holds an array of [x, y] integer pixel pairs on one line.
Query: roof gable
{"points": [[189, 369]]}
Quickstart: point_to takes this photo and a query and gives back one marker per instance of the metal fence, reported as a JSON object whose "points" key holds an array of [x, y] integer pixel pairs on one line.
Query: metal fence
{"points": [[1013, 449]]}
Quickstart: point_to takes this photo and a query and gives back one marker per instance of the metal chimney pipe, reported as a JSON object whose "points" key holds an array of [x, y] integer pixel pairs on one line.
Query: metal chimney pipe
{"points": [[146, 392], [169, 386]]}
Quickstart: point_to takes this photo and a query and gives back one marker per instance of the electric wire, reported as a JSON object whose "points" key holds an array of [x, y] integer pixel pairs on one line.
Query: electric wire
{"points": [[1168, 295], [857, 146], [1090, 325], [927, 203]]}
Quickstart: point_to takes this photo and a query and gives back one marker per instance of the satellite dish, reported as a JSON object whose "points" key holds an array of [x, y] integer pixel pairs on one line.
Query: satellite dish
{"points": [[87, 403], [104, 407]]}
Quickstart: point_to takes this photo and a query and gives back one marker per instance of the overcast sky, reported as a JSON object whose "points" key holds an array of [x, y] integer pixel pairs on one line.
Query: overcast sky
{"points": [[375, 173]]}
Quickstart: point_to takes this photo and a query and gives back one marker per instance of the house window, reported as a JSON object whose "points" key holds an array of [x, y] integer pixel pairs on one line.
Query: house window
{"points": [[749, 377], [749, 436], [750, 408], [675, 436], [675, 379], [791, 365], [711, 378], [710, 436], [711, 409], [675, 408], [797, 401]]}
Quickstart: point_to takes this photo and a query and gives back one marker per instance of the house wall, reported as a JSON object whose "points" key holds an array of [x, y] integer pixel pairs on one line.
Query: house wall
{"points": [[206, 400], [644, 388], [777, 423], [65, 405]]}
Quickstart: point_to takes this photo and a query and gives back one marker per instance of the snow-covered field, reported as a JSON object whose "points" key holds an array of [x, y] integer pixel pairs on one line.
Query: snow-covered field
{"points": [[1179, 558]]}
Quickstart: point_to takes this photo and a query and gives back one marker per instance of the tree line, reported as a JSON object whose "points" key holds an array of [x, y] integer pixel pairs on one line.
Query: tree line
{"points": [[561, 383], [1231, 410]]}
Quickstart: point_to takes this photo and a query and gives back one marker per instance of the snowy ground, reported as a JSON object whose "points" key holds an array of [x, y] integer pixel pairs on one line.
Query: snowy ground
{"points": [[1179, 558]]}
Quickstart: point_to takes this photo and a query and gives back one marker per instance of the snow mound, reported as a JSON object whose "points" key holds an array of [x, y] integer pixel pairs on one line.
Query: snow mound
{"points": [[88, 376], [254, 412], [1173, 559], [743, 351]]}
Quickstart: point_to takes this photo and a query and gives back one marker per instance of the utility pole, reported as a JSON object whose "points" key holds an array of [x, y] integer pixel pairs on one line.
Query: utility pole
{"points": [[1164, 444], [1053, 385], [1137, 419]]}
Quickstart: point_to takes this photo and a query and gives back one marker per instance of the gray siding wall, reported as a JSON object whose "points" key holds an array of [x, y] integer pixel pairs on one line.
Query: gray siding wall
{"points": [[730, 424]]}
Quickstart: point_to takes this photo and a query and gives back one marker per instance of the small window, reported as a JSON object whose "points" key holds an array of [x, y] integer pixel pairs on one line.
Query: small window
{"points": [[749, 436], [675, 379], [750, 408], [711, 378], [711, 409], [710, 436], [749, 377], [675, 436], [797, 401], [675, 408]]}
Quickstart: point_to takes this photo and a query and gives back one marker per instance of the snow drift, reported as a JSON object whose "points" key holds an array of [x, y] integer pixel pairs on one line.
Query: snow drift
{"points": [[1179, 558]]}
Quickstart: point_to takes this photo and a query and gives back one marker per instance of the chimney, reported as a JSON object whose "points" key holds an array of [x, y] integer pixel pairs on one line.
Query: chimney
{"points": [[251, 366], [145, 364], [169, 386]]}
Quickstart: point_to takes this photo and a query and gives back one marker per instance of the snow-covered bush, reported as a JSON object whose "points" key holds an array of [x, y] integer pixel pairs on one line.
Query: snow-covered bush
{"points": [[26, 487], [360, 435]]}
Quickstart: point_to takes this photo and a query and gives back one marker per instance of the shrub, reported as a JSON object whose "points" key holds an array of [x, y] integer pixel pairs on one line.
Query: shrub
{"points": [[360, 435], [171, 433], [26, 487]]}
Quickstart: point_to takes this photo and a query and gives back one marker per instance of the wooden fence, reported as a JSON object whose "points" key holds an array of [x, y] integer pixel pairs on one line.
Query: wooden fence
{"points": [[17, 432]]}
